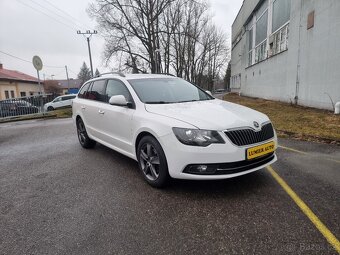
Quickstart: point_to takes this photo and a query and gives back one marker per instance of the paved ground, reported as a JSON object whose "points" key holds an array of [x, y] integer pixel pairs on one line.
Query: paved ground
{"points": [[57, 198]]}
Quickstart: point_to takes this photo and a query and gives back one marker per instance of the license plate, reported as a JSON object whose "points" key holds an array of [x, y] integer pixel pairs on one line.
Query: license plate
{"points": [[260, 150]]}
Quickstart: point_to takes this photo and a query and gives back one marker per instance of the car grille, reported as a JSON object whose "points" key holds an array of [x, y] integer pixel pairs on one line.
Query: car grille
{"points": [[241, 137]]}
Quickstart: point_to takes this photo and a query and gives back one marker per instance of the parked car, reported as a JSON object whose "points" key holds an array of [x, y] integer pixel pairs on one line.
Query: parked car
{"points": [[60, 102], [16, 108], [172, 128]]}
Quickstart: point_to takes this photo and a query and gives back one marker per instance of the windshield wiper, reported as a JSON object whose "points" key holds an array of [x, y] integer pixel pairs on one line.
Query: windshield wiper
{"points": [[157, 102], [193, 100]]}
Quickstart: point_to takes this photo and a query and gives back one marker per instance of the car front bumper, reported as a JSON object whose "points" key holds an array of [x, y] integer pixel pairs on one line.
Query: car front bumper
{"points": [[221, 161]]}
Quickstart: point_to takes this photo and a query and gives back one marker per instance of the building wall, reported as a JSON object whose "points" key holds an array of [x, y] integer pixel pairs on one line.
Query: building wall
{"points": [[29, 88], [308, 71], [9, 87], [17, 88]]}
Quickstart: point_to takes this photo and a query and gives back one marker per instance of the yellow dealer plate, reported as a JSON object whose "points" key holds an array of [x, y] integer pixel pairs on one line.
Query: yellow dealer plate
{"points": [[260, 150]]}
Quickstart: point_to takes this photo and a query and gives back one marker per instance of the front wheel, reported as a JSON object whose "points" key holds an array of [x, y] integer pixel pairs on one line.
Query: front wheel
{"points": [[84, 139], [152, 162], [50, 108]]}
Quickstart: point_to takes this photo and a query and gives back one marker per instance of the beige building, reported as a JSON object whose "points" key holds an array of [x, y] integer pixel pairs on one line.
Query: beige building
{"points": [[14, 84]]}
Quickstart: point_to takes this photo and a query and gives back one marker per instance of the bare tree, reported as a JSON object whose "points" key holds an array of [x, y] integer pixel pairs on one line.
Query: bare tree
{"points": [[171, 36]]}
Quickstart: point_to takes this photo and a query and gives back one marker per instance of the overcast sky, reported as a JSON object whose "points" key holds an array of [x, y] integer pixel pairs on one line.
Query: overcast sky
{"points": [[48, 28]]}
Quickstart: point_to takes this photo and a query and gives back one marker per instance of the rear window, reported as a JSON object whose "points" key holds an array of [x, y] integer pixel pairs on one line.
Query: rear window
{"points": [[83, 90], [97, 91]]}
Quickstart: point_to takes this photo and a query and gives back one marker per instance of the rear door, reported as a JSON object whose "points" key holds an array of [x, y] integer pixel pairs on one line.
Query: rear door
{"points": [[116, 120], [95, 97]]}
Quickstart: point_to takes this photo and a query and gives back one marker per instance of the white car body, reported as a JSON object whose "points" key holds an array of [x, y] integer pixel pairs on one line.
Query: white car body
{"points": [[119, 128], [60, 102]]}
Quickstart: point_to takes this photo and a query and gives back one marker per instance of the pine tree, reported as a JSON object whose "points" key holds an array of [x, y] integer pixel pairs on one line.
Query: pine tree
{"points": [[97, 73], [84, 73]]}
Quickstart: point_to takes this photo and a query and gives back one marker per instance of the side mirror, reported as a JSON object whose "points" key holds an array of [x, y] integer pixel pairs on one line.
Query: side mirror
{"points": [[208, 92], [119, 100]]}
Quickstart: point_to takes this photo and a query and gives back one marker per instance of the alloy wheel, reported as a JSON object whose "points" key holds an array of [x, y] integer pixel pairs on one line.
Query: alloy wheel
{"points": [[81, 132], [149, 161]]}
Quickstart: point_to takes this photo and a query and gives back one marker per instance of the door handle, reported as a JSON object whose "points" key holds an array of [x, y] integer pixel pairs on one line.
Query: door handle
{"points": [[101, 112], [83, 107]]}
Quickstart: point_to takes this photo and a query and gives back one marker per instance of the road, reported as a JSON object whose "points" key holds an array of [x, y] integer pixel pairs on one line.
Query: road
{"points": [[57, 198]]}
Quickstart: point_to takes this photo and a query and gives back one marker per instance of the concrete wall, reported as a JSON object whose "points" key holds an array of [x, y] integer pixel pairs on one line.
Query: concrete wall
{"points": [[310, 67]]}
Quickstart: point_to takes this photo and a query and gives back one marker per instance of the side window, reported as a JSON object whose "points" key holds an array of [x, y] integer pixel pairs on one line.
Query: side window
{"points": [[114, 88], [83, 90], [98, 91], [68, 98]]}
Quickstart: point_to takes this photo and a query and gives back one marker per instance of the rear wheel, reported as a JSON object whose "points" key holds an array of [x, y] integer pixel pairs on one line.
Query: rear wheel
{"points": [[84, 139], [152, 162]]}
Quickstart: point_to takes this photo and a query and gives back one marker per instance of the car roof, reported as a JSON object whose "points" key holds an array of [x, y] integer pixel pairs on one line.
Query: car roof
{"points": [[133, 76]]}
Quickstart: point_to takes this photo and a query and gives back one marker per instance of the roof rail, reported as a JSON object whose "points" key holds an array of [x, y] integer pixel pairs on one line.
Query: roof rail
{"points": [[118, 73], [168, 74]]}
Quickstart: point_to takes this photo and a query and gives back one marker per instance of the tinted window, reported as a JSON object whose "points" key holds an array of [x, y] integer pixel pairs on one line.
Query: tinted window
{"points": [[83, 90], [167, 90], [98, 91], [115, 88], [67, 98]]}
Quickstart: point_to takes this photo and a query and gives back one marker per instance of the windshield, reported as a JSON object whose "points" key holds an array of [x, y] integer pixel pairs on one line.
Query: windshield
{"points": [[167, 90]]}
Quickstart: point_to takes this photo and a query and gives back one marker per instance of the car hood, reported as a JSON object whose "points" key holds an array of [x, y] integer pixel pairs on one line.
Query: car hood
{"points": [[211, 114]]}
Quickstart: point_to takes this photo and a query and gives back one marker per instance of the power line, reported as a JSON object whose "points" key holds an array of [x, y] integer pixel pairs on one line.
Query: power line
{"points": [[44, 13], [8, 54], [51, 11], [60, 10]]}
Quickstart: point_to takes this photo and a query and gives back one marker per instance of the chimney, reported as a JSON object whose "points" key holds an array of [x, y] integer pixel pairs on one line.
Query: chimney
{"points": [[0, 65]]}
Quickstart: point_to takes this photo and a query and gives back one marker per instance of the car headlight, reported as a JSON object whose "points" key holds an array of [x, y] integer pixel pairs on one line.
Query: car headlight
{"points": [[197, 137]]}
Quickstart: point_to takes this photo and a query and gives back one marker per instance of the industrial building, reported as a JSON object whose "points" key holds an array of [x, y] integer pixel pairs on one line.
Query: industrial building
{"points": [[287, 50]]}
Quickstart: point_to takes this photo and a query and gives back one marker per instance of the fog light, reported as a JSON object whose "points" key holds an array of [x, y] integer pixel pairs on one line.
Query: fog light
{"points": [[202, 168]]}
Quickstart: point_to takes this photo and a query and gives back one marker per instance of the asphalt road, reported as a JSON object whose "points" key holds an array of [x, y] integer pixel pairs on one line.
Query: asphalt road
{"points": [[57, 198]]}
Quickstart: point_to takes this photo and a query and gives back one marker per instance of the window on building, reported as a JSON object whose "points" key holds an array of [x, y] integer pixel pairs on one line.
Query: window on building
{"points": [[6, 94], [22, 94], [12, 94], [281, 13], [261, 28], [280, 40], [261, 33], [280, 27], [250, 47]]}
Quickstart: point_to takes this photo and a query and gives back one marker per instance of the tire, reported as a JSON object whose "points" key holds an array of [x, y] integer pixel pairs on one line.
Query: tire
{"points": [[83, 138], [50, 108], [152, 162]]}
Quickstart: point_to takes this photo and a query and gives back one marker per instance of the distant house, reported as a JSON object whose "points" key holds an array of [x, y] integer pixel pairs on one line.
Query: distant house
{"points": [[74, 84], [16, 84]]}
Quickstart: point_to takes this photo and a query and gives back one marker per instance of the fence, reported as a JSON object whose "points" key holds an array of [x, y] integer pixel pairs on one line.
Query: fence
{"points": [[24, 105]]}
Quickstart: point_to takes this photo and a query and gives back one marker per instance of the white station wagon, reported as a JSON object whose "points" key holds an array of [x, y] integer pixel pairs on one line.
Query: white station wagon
{"points": [[172, 128]]}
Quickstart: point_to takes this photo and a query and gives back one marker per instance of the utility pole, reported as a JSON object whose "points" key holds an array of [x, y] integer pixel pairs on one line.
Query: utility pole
{"points": [[68, 81], [88, 34]]}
